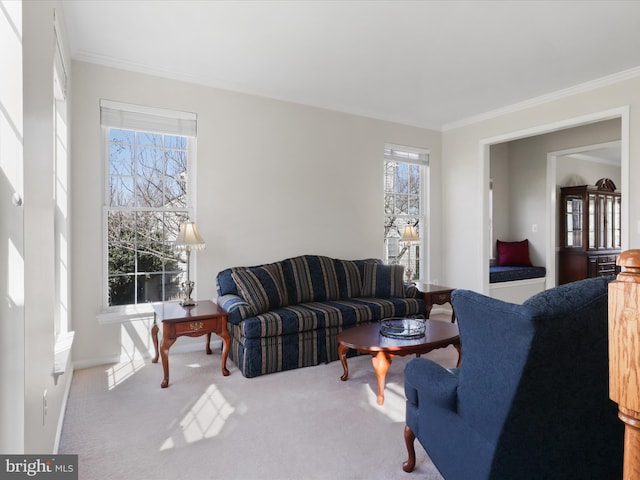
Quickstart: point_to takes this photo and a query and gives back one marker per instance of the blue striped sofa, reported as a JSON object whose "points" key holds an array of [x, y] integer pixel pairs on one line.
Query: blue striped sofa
{"points": [[286, 314]]}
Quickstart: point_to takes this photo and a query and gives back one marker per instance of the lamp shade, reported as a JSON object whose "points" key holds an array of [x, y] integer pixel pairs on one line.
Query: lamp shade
{"points": [[189, 238], [409, 234]]}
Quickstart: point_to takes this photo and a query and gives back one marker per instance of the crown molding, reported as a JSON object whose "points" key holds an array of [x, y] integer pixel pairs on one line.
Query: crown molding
{"points": [[550, 97]]}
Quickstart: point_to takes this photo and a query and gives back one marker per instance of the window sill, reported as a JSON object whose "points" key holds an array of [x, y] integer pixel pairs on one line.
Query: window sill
{"points": [[62, 354], [122, 314]]}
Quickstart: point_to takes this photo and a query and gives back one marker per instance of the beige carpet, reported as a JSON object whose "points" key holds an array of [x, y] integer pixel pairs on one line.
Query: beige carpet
{"points": [[300, 424]]}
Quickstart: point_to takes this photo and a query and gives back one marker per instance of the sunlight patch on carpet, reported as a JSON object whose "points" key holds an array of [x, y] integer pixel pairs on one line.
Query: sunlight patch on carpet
{"points": [[119, 372], [394, 402], [205, 419]]}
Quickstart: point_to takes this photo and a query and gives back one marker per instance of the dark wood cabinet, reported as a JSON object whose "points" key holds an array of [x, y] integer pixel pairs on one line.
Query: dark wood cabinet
{"points": [[590, 236]]}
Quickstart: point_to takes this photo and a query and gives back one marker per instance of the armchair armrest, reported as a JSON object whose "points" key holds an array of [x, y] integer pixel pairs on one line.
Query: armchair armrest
{"points": [[431, 382]]}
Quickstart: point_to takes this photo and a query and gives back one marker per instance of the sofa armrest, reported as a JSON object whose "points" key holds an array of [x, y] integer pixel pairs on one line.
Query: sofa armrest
{"points": [[411, 291], [431, 382], [234, 305]]}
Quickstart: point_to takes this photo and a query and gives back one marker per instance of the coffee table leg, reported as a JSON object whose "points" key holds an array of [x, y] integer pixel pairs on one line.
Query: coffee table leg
{"points": [[342, 353], [381, 362]]}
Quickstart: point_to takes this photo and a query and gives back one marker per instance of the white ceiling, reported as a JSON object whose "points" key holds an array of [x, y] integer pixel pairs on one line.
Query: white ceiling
{"points": [[424, 63]]}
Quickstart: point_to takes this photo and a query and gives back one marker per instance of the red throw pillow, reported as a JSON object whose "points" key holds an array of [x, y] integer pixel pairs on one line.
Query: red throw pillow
{"points": [[514, 253]]}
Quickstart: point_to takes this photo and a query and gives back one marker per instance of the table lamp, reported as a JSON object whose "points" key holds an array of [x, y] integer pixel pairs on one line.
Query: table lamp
{"points": [[188, 239], [409, 235]]}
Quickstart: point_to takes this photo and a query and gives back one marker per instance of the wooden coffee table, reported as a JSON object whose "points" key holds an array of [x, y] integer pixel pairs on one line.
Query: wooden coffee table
{"points": [[368, 339]]}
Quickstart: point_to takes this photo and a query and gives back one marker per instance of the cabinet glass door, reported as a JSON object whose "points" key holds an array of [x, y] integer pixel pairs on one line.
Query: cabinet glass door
{"points": [[592, 221], [608, 222], [601, 222], [617, 242], [573, 218]]}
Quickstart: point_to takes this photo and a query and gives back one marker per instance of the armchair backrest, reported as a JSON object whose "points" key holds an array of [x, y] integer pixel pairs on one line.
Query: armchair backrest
{"points": [[538, 370]]}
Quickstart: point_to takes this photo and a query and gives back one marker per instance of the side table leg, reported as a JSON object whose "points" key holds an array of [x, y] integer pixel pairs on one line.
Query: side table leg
{"points": [[154, 337], [459, 349], [208, 346], [226, 340], [164, 353], [381, 362], [342, 353]]}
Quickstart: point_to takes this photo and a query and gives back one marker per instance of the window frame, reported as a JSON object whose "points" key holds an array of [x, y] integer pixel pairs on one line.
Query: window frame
{"points": [[132, 310], [417, 157]]}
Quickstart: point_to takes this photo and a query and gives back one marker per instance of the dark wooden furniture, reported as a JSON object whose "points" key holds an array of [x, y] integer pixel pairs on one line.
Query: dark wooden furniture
{"points": [[436, 295], [590, 235], [368, 339], [206, 317]]}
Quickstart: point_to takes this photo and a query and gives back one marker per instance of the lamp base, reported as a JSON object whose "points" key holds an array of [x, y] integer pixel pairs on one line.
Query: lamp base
{"points": [[188, 302], [188, 288]]}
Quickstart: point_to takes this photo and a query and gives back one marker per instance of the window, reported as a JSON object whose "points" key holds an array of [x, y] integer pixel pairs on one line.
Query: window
{"points": [[404, 180], [60, 192], [147, 196]]}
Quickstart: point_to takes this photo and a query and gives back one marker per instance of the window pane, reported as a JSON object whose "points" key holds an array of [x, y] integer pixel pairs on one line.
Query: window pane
{"points": [[388, 204], [121, 290], [401, 205], [402, 179], [121, 159], [172, 282], [146, 138], [150, 162], [175, 194], [121, 136], [414, 205], [175, 141], [121, 191], [121, 226], [149, 288], [176, 163], [149, 192]]}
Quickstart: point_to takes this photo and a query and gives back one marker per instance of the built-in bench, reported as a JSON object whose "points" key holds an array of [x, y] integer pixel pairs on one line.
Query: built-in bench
{"points": [[499, 274], [516, 284], [514, 279]]}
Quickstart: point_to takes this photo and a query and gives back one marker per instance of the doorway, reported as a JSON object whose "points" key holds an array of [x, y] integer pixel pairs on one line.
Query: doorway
{"points": [[548, 190]]}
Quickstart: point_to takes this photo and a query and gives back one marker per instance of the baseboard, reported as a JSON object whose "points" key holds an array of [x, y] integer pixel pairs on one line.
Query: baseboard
{"points": [[442, 309], [63, 411], [95, 362], [178, 347]]}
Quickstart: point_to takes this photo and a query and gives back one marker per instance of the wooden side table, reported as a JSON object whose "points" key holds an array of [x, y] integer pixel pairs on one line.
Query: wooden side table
{"points": [[206, 317], [436, 295]]}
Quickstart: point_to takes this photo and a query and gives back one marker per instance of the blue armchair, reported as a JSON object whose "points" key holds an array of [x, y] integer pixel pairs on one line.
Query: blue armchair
{"points": [[530, 399]]}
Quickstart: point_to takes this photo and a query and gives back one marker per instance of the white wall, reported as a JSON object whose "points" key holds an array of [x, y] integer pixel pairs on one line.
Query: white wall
{"points": [[274, 180], [499, 172], [12, 365], [465, 173], [571, 171], [27, 234]]}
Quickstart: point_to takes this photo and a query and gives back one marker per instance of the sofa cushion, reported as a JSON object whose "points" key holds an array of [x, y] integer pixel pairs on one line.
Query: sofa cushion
{"points": [[383, 281], [340, 313], [349, 279], [263, 287], [313, 279]]}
